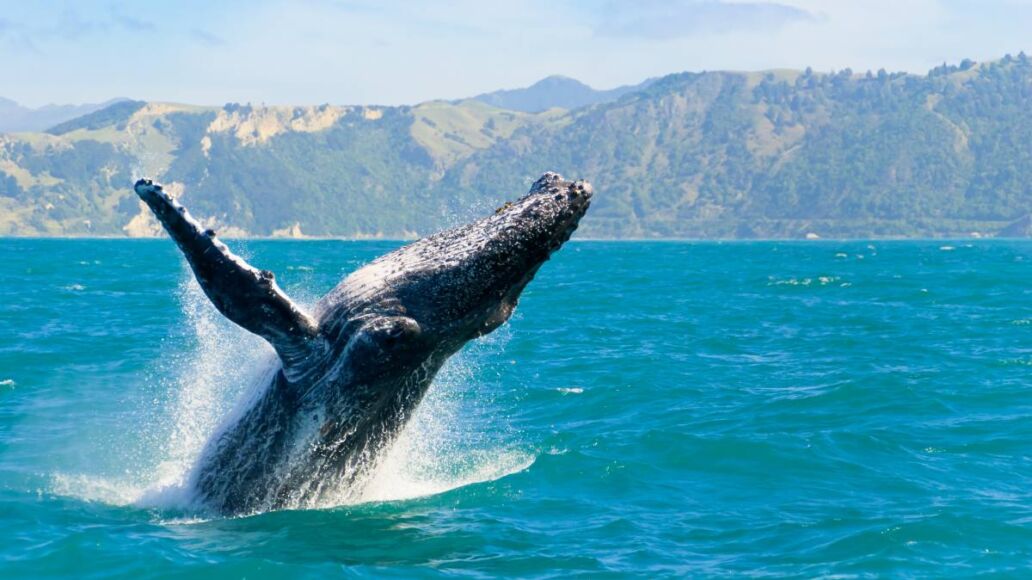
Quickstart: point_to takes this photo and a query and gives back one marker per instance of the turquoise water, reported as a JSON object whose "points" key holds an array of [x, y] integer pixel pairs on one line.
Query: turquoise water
{"points": [[653, 409]]}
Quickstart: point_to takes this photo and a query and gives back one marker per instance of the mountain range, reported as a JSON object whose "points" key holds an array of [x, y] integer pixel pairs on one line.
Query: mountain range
{"points": [[769, 154], [16, 118]]}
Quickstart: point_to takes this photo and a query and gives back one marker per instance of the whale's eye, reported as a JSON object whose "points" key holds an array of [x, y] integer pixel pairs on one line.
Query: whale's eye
{"points": [[388, 333]]}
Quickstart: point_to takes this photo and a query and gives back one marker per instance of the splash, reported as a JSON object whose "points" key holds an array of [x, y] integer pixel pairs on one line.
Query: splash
{"points": [[453, 440], [197, 390], [107, 490], [229, 365]]}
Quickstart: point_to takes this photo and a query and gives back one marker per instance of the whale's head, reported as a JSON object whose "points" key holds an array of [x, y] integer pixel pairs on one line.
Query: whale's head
{"points": [[425, 300], [465, 282]]}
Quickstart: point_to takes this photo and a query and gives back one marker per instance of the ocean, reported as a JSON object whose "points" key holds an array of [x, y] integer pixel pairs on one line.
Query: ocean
{"points": [[653, 409]]}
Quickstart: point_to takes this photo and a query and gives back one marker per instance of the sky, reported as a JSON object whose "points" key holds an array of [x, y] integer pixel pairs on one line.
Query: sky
{"points": [[404, 52]]}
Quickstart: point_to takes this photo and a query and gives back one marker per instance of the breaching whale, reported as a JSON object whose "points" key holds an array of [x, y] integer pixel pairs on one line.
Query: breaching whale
{"points": [[353, 369]]}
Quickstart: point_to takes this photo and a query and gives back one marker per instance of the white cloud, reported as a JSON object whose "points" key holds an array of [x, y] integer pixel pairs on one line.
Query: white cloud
{"points": [[360, 51]]}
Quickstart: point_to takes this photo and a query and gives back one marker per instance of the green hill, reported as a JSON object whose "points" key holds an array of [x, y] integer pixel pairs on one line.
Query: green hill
{"points": [[781, 154], [720, 154]]}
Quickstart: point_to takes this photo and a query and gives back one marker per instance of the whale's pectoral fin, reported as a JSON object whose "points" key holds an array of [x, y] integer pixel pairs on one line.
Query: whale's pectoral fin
{"points": [[242, 293]]}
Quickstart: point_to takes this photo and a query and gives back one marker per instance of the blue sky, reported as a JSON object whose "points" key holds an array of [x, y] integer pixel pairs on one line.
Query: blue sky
{"points": [[396, 52]]}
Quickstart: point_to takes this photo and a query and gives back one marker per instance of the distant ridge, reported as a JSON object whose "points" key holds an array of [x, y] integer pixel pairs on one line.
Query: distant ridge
{"points": [[765, 154], [16, 118], [555, 92], [115, 114]]}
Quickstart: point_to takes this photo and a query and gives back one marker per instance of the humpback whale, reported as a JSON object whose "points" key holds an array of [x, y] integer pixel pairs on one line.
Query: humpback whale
{"points": [[352, 370]]}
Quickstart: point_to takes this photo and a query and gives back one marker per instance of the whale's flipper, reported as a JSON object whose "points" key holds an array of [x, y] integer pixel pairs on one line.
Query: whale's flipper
{"points": [[241, 292]]}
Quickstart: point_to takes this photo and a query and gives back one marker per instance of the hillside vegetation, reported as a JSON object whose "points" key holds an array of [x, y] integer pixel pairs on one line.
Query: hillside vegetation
{"points": [[716, 154]]}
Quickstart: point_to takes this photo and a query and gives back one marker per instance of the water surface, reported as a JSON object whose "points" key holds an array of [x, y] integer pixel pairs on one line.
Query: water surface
{"points": [[653, 409]]}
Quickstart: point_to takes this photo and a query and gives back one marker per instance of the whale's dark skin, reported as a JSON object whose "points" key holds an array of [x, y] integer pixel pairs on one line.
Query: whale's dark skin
{"points": [[354, 369]]}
